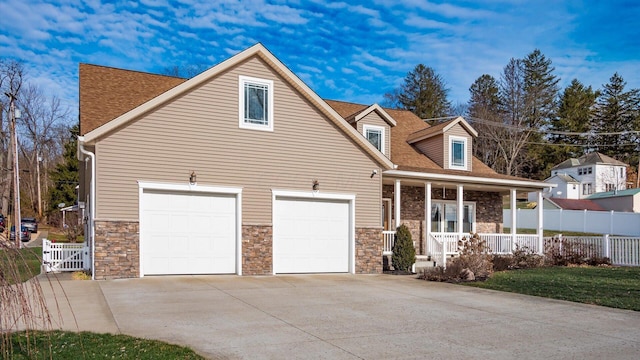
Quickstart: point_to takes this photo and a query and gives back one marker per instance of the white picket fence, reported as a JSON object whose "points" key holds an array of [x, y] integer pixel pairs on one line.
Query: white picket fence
{"points": [[595, 222], [65, 256]]}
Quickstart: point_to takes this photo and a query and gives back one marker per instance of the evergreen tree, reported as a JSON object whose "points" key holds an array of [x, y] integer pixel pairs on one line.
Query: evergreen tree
{"points": [[541, 94], [404, 254], [65, 176], [617, 111], [575, 112], [423, 92], [484, 114]]}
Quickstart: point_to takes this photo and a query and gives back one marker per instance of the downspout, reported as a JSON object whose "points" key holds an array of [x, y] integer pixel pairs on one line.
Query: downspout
{"points": [[92, 196]]}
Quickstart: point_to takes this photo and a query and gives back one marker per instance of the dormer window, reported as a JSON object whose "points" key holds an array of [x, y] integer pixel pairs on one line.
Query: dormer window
{"points": [[256, 103], [457, 153], [375, 135]]}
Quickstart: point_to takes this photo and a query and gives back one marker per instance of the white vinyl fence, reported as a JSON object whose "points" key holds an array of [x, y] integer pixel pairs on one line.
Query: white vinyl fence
{"points": [[621, 250], [65, 256], [597, 222]]}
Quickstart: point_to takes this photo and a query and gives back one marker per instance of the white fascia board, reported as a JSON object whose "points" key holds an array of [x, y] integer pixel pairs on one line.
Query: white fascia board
{"points": [[375, 107], [464, 124], [467, 179]]}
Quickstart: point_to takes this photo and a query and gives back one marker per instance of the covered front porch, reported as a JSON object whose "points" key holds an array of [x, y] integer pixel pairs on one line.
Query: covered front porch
{"points": [[442, 210]]}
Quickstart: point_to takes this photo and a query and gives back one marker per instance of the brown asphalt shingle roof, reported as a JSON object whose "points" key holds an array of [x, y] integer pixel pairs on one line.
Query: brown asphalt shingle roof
{"points": [[408, 157], [106, 93], [588, 159]]}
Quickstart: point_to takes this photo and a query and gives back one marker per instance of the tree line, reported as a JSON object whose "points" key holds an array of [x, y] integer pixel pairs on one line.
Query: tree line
{"points": [[526, 123], [44, 136]]}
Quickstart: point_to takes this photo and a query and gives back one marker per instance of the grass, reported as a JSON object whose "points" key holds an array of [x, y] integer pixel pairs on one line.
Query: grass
{"points": [[617, 287], [507, 230], [86, 345], [28, 261]]}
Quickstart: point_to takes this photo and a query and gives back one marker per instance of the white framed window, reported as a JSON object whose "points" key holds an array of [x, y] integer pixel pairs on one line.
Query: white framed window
{"points": [[457, 152], [375, 135], [587, 189], [255, 103], [444, 216]]}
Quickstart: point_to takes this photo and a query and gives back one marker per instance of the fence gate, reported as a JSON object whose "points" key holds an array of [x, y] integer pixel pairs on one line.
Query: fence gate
{"points": [[65, 256]]}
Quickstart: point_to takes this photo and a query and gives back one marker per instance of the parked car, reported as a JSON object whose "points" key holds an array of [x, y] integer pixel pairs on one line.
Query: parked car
{"points": [[31, 224], [2, 223], [24, 234]]}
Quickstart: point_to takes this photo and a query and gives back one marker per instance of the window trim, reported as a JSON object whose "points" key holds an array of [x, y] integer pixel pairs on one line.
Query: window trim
{"points": [[242, 82], [454, 202], [366, 128], [465, 159]]}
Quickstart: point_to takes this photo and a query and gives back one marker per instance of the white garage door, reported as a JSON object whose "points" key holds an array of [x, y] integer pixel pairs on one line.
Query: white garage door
{"points": [[188, 233], [311, 236]]}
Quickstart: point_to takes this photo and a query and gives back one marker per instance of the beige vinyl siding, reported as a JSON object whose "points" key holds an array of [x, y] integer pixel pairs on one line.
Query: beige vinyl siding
{"points": [[458, 130], [434, 148], [199, 132], [374, 119]]}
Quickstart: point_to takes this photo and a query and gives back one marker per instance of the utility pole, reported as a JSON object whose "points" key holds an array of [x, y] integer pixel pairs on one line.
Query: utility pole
{"points": [[16, 171], [39, 158]]}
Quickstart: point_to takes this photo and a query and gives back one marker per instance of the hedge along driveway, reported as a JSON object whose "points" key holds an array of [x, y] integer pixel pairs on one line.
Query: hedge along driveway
{"points": [[350, 317]]}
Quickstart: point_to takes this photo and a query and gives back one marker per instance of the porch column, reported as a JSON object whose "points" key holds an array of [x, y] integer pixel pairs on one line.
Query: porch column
{"points": [[460, 202], [540, 230], [427, 216], [396, 196], [514, 223]]}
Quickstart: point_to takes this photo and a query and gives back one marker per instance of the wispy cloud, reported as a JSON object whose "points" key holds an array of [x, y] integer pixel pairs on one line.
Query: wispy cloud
{"points": [[349, 50]]}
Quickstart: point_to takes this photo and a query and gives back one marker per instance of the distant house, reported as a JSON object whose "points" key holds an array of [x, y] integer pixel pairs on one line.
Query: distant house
{"points": [[595, 173], [579, 178]]}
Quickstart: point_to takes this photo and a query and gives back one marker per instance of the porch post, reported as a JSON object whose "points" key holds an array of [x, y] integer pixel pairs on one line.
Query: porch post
{"points": [[427, 217], [396, 196], [540, 231], [514, 223], [460, 202]]}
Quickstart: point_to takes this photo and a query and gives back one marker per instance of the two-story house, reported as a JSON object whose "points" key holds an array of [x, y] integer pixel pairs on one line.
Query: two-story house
{"points": [[589, 174], [243, 169]]}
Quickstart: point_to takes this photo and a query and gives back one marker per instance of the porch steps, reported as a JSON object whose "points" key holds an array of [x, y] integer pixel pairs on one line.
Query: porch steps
{"points": [[423, 262]]}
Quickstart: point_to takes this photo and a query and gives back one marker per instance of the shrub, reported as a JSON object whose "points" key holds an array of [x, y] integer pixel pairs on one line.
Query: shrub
{"points": [[563, 252], [475, 256], [526, 258], [404, 254], [502, 262]]}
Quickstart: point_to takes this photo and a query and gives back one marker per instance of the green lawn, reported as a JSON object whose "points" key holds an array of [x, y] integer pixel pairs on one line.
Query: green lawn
{"points": [[20, 265], [86, 345], [617, 287], [507, 230]]}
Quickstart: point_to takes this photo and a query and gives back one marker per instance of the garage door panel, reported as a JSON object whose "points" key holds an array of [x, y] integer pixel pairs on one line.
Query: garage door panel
{"points": [[311, 236], [187, 233]]}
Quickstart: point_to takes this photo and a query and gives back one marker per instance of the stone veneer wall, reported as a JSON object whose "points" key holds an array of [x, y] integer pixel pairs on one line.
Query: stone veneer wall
{"points": [[257, 250], [117, 251], [488, 208], [368, 250]]}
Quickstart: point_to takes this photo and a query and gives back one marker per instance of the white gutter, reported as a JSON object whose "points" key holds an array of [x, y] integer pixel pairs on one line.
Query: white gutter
{"points": [[468, 179], [92, 209]]}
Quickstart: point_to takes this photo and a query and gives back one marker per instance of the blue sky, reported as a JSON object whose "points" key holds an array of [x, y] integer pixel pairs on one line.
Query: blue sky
{"points": [[352, 51]]}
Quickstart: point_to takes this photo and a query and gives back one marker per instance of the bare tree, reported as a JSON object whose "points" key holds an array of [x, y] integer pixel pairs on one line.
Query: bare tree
{"points": [[41, 118], [12, 75]]}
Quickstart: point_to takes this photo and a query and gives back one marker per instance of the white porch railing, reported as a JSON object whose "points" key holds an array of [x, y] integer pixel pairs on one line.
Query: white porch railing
{"points": [[388, 240], [65, 256]]}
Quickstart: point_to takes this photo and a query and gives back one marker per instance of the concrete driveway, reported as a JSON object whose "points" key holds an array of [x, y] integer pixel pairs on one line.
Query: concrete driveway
{"points": [[345, 317]]}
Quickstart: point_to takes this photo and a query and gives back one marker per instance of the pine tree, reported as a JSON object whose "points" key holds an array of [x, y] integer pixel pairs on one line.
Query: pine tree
{"points": [[541, 94], [484, 115], [65, 176], [423, 92], [575, 112], [617, 111]]}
